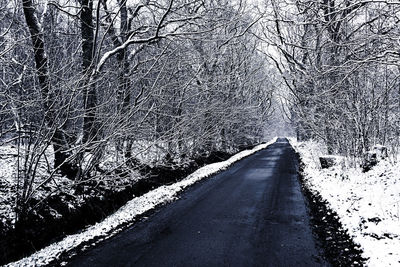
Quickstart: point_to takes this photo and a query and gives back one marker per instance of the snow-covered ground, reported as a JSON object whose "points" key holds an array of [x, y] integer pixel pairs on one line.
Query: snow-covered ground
{"points": [[148, 153], [126, 214], [368, 204], [42, 185], [8, 179]]}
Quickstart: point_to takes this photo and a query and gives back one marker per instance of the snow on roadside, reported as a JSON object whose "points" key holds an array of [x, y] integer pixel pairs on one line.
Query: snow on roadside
{"points": [[129, 211], [368, 204]]}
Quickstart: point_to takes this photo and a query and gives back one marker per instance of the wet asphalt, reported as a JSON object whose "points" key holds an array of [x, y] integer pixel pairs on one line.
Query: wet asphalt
{"points": [[252, 214]]}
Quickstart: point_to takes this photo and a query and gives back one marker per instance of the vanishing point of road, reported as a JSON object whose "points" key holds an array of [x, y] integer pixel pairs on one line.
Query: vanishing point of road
{"points": [[252, 214]]}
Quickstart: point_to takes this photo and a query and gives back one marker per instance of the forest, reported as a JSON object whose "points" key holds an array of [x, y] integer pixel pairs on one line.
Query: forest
{"points": [[96, 95], [340, 62]]}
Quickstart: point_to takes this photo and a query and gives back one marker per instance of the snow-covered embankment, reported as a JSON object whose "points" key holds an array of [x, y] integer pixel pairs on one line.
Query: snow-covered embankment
{"points": [[368, 204]]}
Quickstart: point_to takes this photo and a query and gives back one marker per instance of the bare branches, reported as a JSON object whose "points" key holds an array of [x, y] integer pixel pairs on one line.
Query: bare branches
{"points": [[111, 86], [335, 52]]}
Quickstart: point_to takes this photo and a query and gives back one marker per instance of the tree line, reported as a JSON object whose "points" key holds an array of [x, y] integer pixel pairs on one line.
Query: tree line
{"points": [[83, 77], [340, 61]]}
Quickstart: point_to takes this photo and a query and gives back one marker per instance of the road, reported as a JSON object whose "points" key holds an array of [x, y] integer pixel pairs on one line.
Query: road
{"points": [[252, 214]]}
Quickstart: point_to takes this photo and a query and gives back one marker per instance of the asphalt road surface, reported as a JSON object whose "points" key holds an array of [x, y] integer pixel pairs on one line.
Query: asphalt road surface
{"points": [[252, 214]]}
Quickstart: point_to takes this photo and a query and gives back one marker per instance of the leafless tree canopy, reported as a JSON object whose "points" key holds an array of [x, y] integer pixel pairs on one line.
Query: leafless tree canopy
{"points": [[340, 60], [83, 81], [88, 87]]}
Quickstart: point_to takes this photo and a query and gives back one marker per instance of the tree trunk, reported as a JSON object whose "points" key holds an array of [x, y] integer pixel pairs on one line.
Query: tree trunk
{"points": [[58, 138], [123, 93], [124, 82], [89, 88]]}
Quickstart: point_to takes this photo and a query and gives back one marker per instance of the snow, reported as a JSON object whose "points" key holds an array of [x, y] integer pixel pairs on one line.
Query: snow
{"points": [[126, 214], [7, 165], [8, 154], [368, 204], [147, 152], [9, 174]]}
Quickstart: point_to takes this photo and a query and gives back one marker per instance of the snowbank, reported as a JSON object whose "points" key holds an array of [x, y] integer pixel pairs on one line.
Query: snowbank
{"points": [[127, 213], [368, 204]]}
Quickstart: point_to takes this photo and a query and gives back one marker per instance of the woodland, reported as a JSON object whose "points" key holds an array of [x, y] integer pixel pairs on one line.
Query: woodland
{"points": [[96, 95]]}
